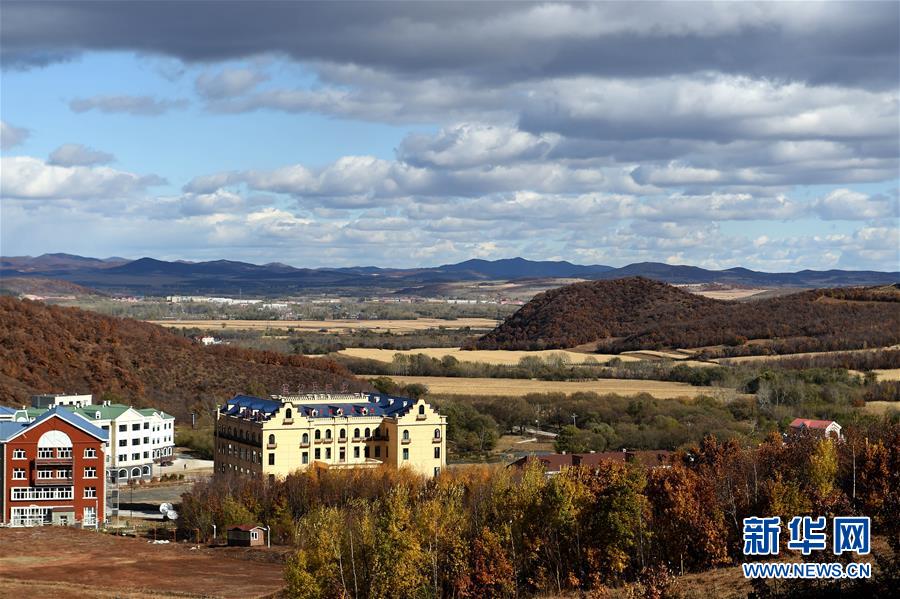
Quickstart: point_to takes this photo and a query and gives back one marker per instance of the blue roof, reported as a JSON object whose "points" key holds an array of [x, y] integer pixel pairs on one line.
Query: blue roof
{"points": [[373, 405], [10, 429], [6, 410]]}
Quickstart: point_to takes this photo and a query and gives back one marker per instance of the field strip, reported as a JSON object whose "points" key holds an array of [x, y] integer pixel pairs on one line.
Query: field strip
{"points": [[333, 326], [739, 359], [493, 356], [438, 385]]}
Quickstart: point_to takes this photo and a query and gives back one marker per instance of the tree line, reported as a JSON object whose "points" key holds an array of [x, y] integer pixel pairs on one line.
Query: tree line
{"points": [[499, 532]]}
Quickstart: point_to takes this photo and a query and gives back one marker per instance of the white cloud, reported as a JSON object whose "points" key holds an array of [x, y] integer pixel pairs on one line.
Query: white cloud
{"points": [[78, 155], [11, 136], [133, 105], [228, 82], [25, 177]]}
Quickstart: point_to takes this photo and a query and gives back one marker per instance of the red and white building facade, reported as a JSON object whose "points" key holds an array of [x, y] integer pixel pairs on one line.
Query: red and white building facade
{"points": [[53, 470]]}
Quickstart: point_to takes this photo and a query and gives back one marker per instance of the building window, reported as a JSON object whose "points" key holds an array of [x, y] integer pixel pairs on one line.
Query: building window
{"points": [[122, 457], [342, 454], [356, 452], [136, 441], [254, 535], [146, 455], [437, 433], [146, 425], [406, 453], [342, 434], [378, 451], [328, 434], [123, 442], [288, 414], [40, 474], [90, 472], [421, 410], [19, 473], [64, 452], [368, 432], [271, 459], [437, 470], [327, 453], [271, 439], [123, 428], [318, 453], [356, 433], [406, 435], [304, 457], [90, 492], [147, 440], [317, 435], [18, 454], [366, 451], [136, 427], [437, 453], [90, 452], [45, 452]]}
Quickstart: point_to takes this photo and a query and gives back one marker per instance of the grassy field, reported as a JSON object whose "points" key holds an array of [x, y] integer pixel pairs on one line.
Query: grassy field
{"points": [[89, 564], [881, 407], [508, 357], [333, 326], [449, 386], [739, 359]]}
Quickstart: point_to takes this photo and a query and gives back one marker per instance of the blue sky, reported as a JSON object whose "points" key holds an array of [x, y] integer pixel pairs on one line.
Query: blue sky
{"points": [[756, 135]]}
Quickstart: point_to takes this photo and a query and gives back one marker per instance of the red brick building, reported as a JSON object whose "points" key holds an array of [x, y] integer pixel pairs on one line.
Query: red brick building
{"points": [[52, 470]]}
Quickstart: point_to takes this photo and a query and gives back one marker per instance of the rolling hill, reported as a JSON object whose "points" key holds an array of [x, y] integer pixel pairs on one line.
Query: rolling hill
{"points": [[52, 349], [637, 313]]}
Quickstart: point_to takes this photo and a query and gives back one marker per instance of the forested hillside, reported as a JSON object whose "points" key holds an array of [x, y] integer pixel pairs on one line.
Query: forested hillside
{"points": [[637, 313], [52, 349]]}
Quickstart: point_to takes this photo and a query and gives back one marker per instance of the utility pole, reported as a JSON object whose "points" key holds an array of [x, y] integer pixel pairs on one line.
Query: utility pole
{"points": [[575, 424]]}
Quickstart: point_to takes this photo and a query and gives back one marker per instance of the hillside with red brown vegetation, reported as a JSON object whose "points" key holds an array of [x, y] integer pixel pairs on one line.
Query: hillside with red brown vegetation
{"points": [[52, 349], [637, 313]]}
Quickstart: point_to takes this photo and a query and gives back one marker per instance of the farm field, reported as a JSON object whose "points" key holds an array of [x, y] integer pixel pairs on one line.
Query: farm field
{"points": [[448, 386], [739, 359], [333, 326], [90, 564], [729, 294], [499, 356]]}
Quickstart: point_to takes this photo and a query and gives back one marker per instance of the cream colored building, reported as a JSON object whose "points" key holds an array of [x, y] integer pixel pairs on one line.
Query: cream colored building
{"points": [[282, 434]]}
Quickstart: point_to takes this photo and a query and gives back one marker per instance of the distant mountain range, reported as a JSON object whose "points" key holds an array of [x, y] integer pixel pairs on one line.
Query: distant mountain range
{"points": [[157, 277]]}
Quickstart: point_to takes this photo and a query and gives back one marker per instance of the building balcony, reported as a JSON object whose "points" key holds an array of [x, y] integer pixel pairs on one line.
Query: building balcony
{"points": [[421, 416], [53, 461], [54, 482], [288, 421], [357, 439], [304, 445], [405, 441], [436, 440], [271, 445]]}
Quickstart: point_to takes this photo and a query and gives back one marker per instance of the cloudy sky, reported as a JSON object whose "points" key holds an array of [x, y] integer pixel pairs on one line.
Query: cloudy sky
{"points": [[727, 134]]}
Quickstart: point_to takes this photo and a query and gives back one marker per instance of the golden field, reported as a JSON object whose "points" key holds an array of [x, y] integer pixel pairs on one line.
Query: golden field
{"points": [[438, 385], [334, 326], [499, 356], [740, 359]]}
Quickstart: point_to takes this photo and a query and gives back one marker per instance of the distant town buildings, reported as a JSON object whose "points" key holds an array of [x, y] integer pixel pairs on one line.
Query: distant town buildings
{"points": [[279, 435], [819, 428], [52, 470]]}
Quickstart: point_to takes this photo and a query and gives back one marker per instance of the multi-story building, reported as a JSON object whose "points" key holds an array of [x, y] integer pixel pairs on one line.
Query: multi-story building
{"points": [[52, 470], [274, 437], [139, 439]]}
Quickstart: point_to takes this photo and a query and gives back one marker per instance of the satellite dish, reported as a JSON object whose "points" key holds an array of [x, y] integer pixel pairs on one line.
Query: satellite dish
{"points": [[172, 515], [165, 507]]}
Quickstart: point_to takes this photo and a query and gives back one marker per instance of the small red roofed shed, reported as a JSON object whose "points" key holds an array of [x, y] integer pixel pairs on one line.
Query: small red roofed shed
{"points": [[820, 428]]}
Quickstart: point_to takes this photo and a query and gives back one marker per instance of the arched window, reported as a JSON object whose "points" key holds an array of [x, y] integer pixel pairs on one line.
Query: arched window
{"points": [[305, 437], [123, 473], [342, 433], [271, 439], [437, 433], [422, 410], [406, 435], [318, 434], [288, 414], [328, 434], [356, 433], [368, 432], [135, 473]]}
